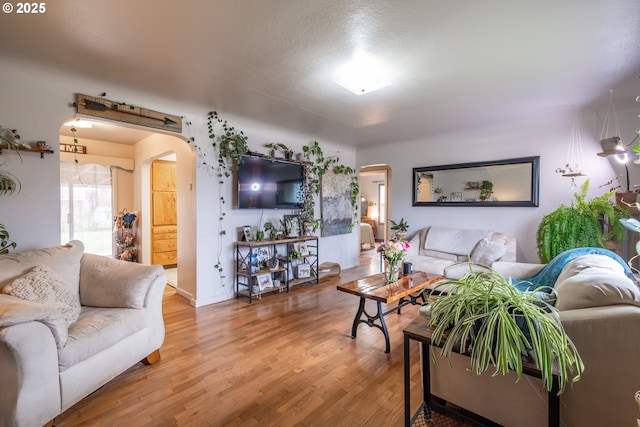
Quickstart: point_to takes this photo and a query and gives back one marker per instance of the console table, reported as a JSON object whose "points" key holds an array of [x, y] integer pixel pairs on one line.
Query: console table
{"points": [[419, 330]]}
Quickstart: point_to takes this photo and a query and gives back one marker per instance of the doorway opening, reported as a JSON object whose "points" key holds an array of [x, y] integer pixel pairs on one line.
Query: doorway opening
{"points": [[375, 193], [129, 151]]}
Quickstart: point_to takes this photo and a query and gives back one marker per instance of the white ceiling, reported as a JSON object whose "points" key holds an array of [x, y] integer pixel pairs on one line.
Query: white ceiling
{"points": [[454, 64]]}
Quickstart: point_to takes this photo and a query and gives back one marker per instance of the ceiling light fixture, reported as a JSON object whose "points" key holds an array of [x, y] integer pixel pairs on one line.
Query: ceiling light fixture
{"points": [[79, 123], [363, 74]]}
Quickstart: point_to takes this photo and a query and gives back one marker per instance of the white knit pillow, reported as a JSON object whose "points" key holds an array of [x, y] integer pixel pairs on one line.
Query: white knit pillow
{"points": [[41, 285]]}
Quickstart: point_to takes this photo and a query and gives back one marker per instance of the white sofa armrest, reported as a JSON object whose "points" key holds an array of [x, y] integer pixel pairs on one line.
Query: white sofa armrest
{"points": [[29, 375], [516, 270]]}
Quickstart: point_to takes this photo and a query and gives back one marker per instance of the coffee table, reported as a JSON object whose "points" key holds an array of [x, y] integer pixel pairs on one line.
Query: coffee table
{"points": [[407, 290]]}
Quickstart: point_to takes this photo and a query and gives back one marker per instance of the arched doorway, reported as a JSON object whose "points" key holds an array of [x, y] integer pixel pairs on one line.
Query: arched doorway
{"points": [[132, 149]]}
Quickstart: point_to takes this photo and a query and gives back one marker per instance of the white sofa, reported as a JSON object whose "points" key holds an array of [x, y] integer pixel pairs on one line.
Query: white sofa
{"points": [[599, 308], [437, 249], [47, 364]]}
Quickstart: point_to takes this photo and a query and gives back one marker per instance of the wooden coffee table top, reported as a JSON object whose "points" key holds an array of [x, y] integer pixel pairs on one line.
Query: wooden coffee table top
{"points": [[376, 288]]}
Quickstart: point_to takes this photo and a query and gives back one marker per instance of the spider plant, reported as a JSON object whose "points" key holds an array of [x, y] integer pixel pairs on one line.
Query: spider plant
{"points": [[487, 318]]}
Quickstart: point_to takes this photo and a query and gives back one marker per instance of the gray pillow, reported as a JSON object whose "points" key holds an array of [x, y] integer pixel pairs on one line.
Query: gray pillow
{"points": [[487, 252]]}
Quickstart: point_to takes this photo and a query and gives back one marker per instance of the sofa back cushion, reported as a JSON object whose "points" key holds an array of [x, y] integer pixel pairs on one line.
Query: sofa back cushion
{"points": [[63, 260], [594, 281], [457, 241], [106, 282]]}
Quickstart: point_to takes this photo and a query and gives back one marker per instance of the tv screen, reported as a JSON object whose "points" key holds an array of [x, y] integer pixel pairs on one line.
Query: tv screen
{"points": [[269, 184]]}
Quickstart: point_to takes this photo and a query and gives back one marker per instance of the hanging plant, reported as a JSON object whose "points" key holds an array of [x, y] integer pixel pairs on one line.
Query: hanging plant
{"points": [[230, 144], [9, 183]]}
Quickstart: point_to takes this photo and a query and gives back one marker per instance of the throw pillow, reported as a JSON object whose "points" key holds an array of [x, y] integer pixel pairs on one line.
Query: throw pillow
{"points": [[487, 252], [43, 286]]}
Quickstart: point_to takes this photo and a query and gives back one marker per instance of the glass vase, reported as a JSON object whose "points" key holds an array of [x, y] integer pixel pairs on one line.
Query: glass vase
{"points": [[391, 271]]}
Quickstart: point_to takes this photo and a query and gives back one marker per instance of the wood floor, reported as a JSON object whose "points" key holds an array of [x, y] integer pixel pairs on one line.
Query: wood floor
{"points": [[285, 360]]}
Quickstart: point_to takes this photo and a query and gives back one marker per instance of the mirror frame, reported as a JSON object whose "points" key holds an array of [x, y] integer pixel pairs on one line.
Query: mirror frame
{"points": [[534, 161]]}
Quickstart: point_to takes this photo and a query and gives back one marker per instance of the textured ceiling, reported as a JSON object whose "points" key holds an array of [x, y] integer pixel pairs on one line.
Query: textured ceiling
{"points": [[453, 64]]}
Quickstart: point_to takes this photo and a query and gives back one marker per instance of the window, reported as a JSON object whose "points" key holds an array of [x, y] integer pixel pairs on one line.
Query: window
{"points": [[86, 206]]}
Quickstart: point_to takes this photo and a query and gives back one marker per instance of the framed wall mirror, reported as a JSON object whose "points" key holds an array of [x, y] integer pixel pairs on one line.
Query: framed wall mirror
{"points": [[510, 182]]}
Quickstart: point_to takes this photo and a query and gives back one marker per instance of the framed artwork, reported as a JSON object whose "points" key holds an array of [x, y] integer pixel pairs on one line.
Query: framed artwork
{"points": [[264, 281], [456, 197], [304, 271], [293, 222], [302, 248], [247, 232]]}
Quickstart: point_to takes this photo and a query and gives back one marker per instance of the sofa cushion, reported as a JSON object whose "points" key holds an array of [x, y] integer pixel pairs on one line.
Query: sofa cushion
{"points": [[14, 311], [106, 282], [594, 281], [63, 260], [457, 241], [487, 252], [98, 329], [43, 286]]}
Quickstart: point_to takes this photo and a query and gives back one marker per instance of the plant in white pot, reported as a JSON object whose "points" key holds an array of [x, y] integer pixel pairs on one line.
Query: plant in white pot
{"points": [[485, 316]]}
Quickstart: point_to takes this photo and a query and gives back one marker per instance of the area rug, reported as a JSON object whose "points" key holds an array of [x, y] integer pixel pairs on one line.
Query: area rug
{"points": [[444, 416]]}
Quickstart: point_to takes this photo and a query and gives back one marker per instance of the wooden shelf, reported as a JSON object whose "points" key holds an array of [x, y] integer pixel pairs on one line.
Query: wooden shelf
{"points": [[28, 150]]}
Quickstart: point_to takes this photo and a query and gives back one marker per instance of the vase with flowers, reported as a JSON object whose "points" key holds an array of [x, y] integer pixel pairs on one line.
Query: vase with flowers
{"points": [[392, 252]]}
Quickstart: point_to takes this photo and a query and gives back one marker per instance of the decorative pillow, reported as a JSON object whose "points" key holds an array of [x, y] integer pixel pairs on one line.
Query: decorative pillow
{"points": [[63, 260], [41, 285], [487, 252]]}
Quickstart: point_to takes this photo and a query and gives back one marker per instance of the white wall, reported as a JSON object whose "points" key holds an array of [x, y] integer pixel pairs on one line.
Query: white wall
{"points": [[547, 137], [37, 99]]}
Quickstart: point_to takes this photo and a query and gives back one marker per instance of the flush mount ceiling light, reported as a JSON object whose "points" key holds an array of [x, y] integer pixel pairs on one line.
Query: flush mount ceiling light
{"points": [[363, 74], [79, 123]]}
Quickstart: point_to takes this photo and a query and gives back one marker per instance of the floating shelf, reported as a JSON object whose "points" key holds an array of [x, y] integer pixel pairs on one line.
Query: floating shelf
{"points": [[28, 150]]}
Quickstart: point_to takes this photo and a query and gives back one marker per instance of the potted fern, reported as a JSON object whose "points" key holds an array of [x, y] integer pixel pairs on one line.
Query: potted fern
{"points": [[484, 316], [400, 228], [579, 225]]}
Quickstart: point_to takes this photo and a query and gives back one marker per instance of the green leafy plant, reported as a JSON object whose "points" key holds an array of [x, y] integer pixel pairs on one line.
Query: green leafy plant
{"points": [[486, 317], [486, 190], [578, 225], [275, 146], [230, 144], [5, 243], [401, 226]]}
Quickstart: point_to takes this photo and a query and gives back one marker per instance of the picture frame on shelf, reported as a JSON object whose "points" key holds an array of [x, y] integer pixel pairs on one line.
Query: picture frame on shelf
{"points": [[247, 232], [264, 281], [304, 271], [294, 221], [302, 248], [456, 197]]}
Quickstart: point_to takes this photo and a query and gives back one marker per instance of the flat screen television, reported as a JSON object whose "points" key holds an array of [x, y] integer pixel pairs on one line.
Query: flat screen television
{"points": [[264, 183]]}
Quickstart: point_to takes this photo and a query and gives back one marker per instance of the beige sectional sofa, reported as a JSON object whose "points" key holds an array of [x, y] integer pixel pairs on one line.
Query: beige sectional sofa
{"points": [[600, 309], [96, 317], [437, 249]]}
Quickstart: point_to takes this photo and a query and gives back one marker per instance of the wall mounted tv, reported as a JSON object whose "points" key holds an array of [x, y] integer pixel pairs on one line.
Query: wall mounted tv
{"points": [[265, 183]]}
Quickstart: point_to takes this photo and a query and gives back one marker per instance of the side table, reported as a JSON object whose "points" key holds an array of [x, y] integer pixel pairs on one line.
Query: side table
{"points": [[419, 330]]}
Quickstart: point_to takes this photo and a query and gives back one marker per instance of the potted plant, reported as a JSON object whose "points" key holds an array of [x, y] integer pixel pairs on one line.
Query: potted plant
{"points": [[269, 228], [486, 190], [274, 146], [486, 317], [579, 225], [231, 144], [400, 228]]}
